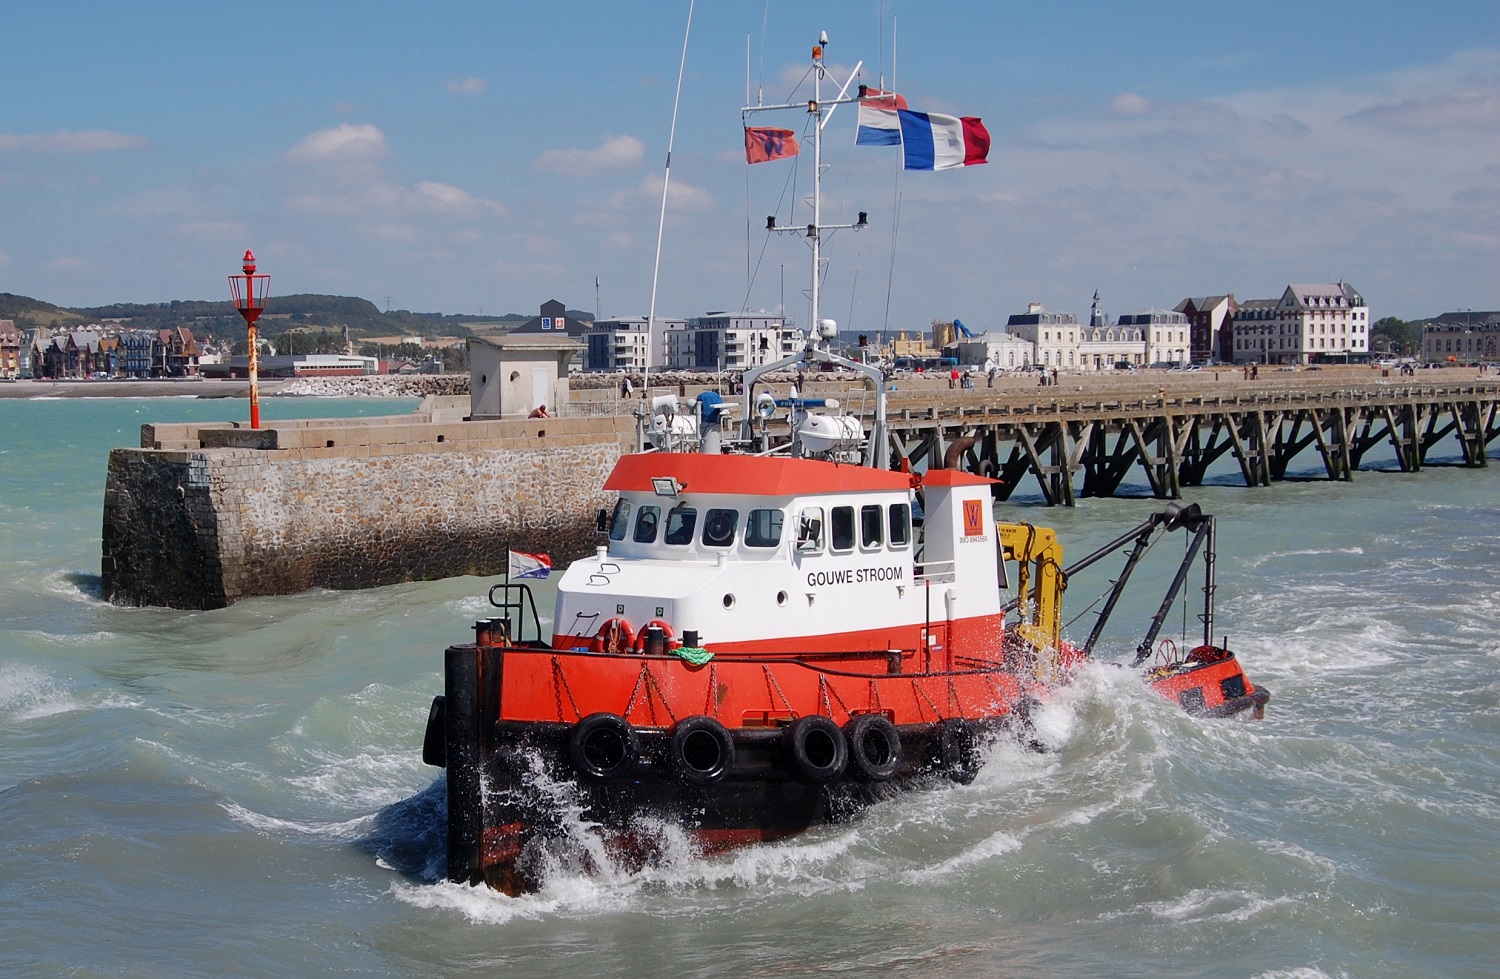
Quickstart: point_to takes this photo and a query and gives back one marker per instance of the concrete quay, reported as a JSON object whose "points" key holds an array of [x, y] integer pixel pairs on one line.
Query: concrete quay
{"points": [[202, 516]]}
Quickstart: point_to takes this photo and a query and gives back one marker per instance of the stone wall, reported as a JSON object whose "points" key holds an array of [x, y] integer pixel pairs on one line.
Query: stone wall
{"points": [[347, 505]]}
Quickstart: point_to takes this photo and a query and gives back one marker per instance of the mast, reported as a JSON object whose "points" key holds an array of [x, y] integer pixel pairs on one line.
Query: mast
{"points": [[821, 111], [661, 224]]}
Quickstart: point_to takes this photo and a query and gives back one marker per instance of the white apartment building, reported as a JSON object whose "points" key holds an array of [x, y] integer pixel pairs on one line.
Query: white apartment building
{"points": [[622, 343], [720, 341], [1309, 324]]}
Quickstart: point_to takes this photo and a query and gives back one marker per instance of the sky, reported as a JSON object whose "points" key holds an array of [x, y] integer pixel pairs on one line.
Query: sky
{"points": [[485, 157]]}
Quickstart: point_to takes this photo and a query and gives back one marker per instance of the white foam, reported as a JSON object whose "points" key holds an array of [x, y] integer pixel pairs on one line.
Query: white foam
{"points": [[1204, 906], [28, 693], [273, 825]]}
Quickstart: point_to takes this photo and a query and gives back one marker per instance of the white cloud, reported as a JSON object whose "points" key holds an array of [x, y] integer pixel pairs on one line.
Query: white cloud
{"points": [[614, 152], [1131, 104], [382, 198], [454, 200], [680, 195], [1452, 111], [69, 263], [4, 259], [467, 86], [346, 142], [395, 232], [63, 141]]}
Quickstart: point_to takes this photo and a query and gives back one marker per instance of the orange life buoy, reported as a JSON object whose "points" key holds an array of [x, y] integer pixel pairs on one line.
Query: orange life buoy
{"points": [[616, 636], [640, 637]]}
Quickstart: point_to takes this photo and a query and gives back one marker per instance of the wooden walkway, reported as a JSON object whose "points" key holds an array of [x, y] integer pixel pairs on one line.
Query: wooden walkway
{"points": [[1086, 444]]}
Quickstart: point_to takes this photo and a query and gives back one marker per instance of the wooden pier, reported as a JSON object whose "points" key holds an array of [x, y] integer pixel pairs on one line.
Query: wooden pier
{"points": [[1081, 442]]}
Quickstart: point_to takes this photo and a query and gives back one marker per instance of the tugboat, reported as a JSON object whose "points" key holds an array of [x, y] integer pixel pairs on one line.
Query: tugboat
{"points": [[780, 630]]}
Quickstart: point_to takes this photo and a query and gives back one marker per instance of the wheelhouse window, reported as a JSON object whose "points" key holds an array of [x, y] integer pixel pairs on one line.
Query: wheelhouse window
{"points": [[647, 522], [842, 531], [763, 528], [810, 530], [900, 515], [871, 526], [719, 526], [620, 522], [681, 522]]}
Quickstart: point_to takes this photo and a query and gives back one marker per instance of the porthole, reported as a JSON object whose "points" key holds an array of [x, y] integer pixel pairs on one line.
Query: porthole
{"points": [[729, 601], [781, 598]]}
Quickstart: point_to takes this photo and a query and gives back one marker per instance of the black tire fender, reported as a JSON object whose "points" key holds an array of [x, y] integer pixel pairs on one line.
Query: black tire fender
{"points": [[958, 750], [700, 750], [435, 739], [814, 749], [874, 747], [603, 748]]}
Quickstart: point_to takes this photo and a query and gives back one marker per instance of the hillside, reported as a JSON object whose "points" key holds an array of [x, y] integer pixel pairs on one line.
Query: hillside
{"points": [[28, 313], [304, 312]]}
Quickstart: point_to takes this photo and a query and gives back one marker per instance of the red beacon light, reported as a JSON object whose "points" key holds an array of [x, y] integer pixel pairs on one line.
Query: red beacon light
{"points": [[249, 292]]}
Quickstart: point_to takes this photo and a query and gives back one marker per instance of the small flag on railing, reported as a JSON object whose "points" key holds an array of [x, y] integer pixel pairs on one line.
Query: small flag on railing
{"points": [[938, 142], [523, 565], [765, 144]]}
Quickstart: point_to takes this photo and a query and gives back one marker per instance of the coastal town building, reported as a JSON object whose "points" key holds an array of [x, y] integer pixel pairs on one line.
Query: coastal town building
{"points": [[625, 343], [10, 350], [1464, 336], [1055, 335], [1309, 324], [720, 341], [136, 346], [523, 375], [1211, 325], [1165, 332], [1257, 329], [553, 321], [998, 351], [1106, 346]]}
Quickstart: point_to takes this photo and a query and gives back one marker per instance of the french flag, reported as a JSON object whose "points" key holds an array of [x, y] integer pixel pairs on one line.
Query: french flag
{"points": [[938, 142], [523, 565], [878, 125]]}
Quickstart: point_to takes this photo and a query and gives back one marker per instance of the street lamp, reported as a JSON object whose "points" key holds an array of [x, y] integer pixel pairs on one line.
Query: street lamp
{"points": [[249, 291]]}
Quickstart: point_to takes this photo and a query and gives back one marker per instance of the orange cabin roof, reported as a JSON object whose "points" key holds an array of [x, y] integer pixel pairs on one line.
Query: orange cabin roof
{"points": [[750, 475]]}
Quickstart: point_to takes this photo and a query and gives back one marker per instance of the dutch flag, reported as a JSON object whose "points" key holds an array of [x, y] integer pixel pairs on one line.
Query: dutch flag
{"points": [[523, 565], [878, 125]]}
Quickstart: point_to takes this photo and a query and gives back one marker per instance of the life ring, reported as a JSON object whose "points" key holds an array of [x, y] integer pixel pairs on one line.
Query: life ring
{"points": [[874, 747], [603, 748], [700, 750], [616, 636], [814, 748], [639, 645], [958, 750]]}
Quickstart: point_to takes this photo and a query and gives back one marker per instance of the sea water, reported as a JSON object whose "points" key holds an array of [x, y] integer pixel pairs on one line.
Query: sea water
{"points": [[240, 792]]}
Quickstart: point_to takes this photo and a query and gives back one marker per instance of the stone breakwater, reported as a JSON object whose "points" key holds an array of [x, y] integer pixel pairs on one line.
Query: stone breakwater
{"points": [[203, 516], [377, 386]]}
